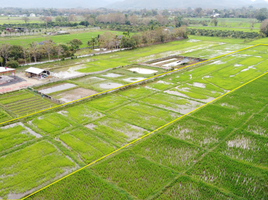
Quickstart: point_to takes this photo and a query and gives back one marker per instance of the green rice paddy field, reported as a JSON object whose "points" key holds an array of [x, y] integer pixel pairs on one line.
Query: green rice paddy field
{"points": [[84, 37], [216, 152], [17, 20]]}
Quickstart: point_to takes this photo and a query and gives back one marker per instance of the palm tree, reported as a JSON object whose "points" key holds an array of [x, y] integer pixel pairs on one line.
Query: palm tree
{"points": [[92, 42]]}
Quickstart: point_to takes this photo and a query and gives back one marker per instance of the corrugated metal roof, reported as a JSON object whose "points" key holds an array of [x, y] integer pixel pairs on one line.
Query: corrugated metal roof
{"points": [[4, 69]]}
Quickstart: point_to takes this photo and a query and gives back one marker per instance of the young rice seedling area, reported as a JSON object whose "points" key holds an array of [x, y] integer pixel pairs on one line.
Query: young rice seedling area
{"points": [[215, 148]]}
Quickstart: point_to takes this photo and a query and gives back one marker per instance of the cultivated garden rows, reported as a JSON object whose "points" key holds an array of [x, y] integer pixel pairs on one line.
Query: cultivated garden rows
{"points": [[47, 146]]}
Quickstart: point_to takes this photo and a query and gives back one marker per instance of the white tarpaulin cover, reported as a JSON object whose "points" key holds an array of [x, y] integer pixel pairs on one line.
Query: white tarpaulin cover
{"points": [[34, 70]]}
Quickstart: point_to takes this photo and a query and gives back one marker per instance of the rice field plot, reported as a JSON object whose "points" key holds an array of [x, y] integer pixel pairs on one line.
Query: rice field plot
{"points": [[74, 94], [247, 147], [187, 188], [15, 135], [50, 124], [88, 80], [241, 179], [126, 73], [136, 175], [198, 132], [144, 116], [24, 102], [198, 89], [136, 92], [85, 145], [168, 151], [81, 114], [116, 131], [258, 124], [107, 102], [30, 167], [238, 71], [106, 85], [222, 115], [236, 108], [243, 101], [84, 37], [100, 65], [171, 102], [160, 85], [4, 116], [220, 49], [82, 185]]}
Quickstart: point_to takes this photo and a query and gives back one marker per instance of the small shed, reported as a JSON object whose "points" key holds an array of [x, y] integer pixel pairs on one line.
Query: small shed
{"points": [[36, 72], [6, 71]]}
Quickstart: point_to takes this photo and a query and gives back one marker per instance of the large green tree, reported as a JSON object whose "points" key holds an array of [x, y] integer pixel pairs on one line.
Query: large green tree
{"points": [[262, 14]]}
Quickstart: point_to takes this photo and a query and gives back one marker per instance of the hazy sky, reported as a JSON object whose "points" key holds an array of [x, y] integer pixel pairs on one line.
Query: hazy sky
{"points": [[82, 3]]}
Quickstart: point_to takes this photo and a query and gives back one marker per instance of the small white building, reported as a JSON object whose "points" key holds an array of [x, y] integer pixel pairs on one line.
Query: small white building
{"points": [[36, 72], [32, 15]]}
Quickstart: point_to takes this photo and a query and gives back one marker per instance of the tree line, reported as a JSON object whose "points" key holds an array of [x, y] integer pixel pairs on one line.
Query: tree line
{"points": [[224, 33], [13, 55]]}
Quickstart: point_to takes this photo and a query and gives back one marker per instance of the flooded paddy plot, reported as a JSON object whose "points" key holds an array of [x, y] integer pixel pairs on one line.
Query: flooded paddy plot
{"points": [[136, 92], [67, 72], [109, 85], [39, 162], [89, 80], [112, 75], [171, 152], [81, 114], [105, 85], [117, 131], [247, 147], [133, 79], [163, 62], [57, 88], [204, 92], [216, 50], [160, 85], [144, 116], [172, 102], [142, 70], [202, 133], [258, 125], [73, 94]]}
